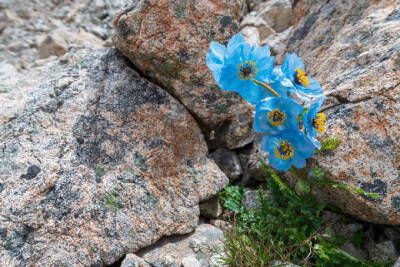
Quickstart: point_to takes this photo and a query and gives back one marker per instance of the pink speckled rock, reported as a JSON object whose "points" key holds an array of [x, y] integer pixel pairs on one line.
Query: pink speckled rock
{"points": [[353, 49], [168, 41], [96, 162]]}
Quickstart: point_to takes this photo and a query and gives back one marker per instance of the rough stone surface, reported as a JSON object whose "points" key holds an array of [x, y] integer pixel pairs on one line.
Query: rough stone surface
{"points": [[212, 208], [228, 161], [250, 200], [202, 245], [252, 167], [132, 260], [277, 13], [251, 35], [96, 162], [168, 42], [52, 45], [277, 44], [83, 23], [384, 252], [252, 20], [352, 48]]}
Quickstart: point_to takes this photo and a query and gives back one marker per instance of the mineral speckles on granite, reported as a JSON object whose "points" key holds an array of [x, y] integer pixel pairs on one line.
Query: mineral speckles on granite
{"points": [[102, 164], [31, 173], [168, 42]]}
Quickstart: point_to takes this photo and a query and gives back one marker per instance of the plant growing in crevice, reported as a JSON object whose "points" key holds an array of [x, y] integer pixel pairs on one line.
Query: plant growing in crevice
{"points": [[288, 225]]}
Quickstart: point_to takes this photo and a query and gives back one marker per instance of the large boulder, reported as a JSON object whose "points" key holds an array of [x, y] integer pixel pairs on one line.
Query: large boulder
{"points": [[193, 250], [96, 162], [353, 49], [168, 42]]}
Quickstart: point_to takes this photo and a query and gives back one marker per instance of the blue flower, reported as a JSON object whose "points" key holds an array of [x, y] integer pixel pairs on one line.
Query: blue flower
{"points": [[314, 122], [234, 66], [287, 148], [305, 87], [274, 114]]}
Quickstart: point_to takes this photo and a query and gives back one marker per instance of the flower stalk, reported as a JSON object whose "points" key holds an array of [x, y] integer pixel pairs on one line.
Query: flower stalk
{"points": [[266, 86]]}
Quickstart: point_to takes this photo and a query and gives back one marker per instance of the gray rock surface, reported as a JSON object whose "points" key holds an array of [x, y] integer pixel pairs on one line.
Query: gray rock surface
{"points": [[228, 161], [383, 252], [211, 208], [199, 247], [96, 162], [25, 24], [132, 260], [278, 14]]}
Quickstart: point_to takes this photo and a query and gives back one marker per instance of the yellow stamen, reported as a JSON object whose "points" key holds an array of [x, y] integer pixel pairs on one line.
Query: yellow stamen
{"points": [[247, 70], [276, 117], [284, 149], [302, 77], [319, 123]]}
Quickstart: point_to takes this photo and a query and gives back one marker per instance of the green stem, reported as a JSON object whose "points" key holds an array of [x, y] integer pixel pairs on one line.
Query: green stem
{"points": [[266, 86]]}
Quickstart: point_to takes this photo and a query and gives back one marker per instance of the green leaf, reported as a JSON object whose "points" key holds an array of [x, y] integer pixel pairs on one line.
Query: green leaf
{"points": [[300, 118], [317, 173], [302, 187], [330, 143]]}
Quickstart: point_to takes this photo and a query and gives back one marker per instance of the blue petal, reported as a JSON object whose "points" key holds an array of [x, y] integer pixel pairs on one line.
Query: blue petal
{"points": [[310, 115], [302, 143], [239, 55], [314, 89], [215, 59], [299, 162], [235, 41], [291, 62], [279, 164], [229, 80], [265, 67], [315, 142], [268, 141], [252, 92]]}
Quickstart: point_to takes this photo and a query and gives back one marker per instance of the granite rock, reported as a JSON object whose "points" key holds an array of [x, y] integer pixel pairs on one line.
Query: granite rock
{"points": [[168, 42], [96, 162], [132, 260], [197, 248], [277, 13], [352, 48]]}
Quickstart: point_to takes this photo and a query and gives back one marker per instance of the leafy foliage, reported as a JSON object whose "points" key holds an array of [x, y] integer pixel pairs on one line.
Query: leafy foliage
{"points": [[330, 143], [232, 198], [286, 227]]}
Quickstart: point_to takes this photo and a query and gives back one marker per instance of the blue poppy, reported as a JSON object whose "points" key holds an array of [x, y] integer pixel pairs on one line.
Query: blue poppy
{"points": [[282, 85], [274, 114], [287, 148], [314, 122], [234, 66], [305, 87]]}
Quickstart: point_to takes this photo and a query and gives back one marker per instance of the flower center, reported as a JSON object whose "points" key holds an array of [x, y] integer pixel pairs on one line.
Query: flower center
{"points": [[247, 70], [284, 150], [301, 77], [276, 117], [319, 122]]}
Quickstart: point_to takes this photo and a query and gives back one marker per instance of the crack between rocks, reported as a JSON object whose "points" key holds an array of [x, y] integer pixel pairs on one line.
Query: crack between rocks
{"points": [[155, 82], [344, 101]]}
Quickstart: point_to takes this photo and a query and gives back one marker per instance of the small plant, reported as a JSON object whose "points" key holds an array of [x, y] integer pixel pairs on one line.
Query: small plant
{"points": [[113, 201], [286, 227]]}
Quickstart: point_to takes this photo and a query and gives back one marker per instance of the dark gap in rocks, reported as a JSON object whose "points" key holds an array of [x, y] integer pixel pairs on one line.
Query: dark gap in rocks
{"points": [[118, 263]]}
